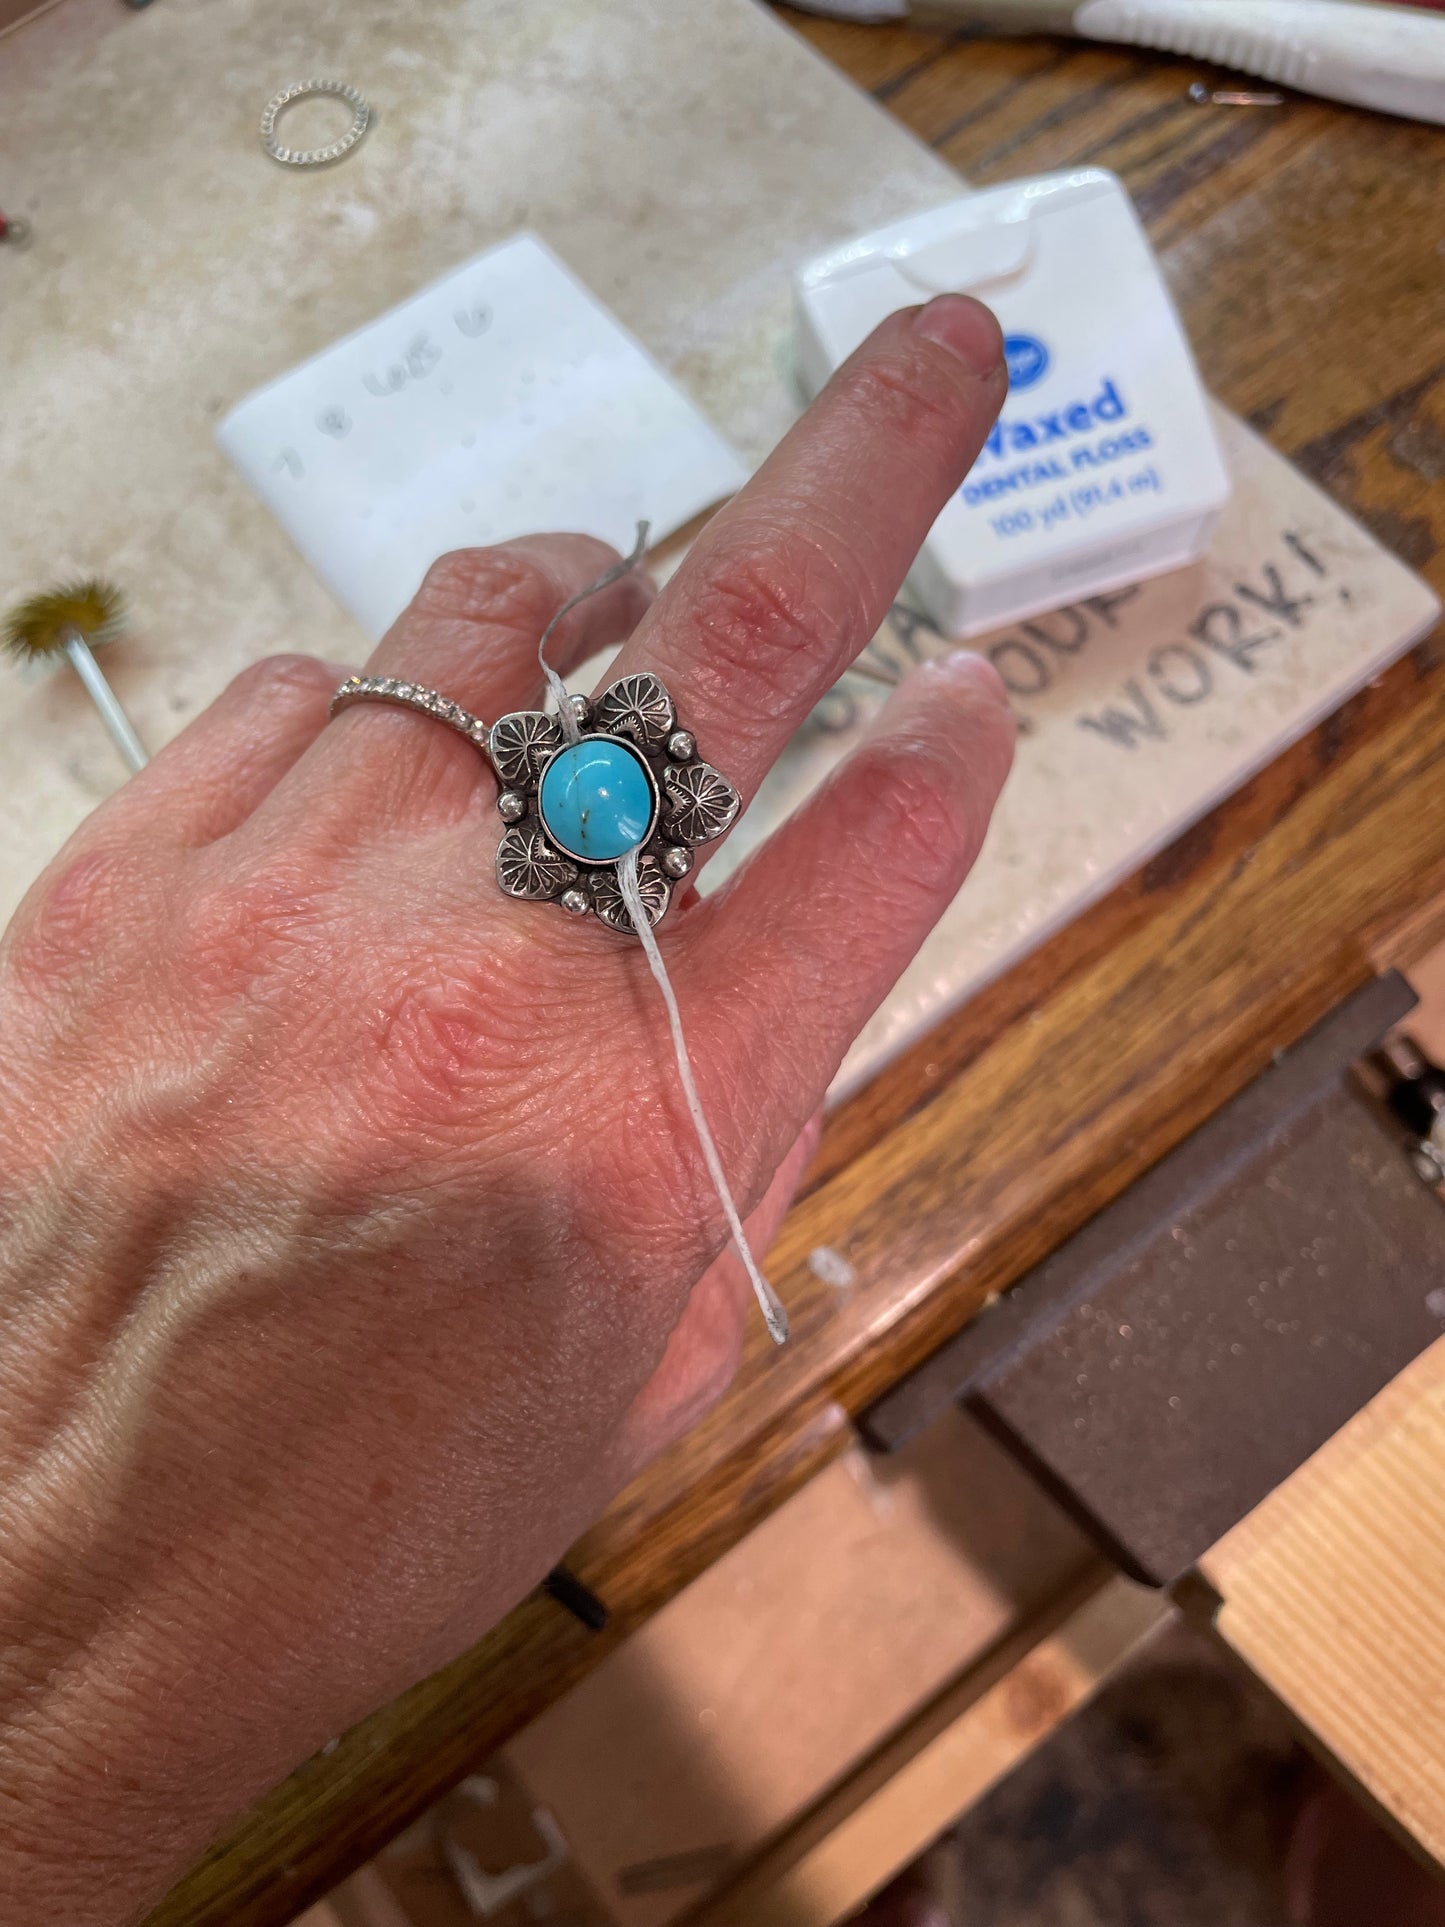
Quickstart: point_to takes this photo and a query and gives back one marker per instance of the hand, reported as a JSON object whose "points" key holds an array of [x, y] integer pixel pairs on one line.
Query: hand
{"points": [[351, 1220]]}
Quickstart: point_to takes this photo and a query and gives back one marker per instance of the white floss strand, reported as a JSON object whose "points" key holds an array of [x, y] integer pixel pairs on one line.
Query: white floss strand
{"points": [[770, 1304], [570, 727], [768, 1300]]}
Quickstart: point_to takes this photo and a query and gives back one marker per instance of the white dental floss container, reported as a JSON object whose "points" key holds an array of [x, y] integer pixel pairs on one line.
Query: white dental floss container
{"points": [[1103, 467]]}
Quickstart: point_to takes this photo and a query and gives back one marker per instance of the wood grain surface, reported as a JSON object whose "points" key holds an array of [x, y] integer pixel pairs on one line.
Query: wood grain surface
{"points": [[1333, 1591], [1301, 245], [883, 1817], [785, 1669]]}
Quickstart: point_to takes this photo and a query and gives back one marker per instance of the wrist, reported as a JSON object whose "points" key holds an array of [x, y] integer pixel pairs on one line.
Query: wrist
{"points": [[133, 1569], [142, 1706]]}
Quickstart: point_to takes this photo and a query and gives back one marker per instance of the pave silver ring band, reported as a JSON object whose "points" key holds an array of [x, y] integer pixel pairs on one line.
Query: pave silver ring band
{"points": [[313, 156], [412, 695]]}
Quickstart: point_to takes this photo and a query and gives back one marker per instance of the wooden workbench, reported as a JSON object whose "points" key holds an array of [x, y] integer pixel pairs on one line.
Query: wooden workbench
{"points": [[1301, 243]]}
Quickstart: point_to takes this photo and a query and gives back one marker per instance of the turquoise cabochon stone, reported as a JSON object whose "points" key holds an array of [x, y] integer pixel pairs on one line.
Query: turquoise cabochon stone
{"points": [[597, 800]]}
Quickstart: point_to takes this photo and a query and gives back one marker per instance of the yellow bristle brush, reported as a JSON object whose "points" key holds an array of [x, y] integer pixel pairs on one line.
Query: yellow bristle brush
{"points": [[72, 621]]}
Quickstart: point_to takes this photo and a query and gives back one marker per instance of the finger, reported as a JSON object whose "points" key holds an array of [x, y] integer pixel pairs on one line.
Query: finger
{"points": [[790, 581], [790, 959], [475, 622], [226, 762], [471, 633], [704, 1349]]}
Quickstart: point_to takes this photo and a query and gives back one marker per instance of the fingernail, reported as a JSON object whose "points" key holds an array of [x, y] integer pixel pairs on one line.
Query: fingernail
{"points": [[966, 328], [979, 671]]}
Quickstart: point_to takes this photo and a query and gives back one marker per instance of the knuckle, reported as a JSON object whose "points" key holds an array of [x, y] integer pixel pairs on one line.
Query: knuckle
{"points": [[285, 675], [57, 934], [499, 586], [927, 819], [765, 626], [936, 780], [905, 392]]}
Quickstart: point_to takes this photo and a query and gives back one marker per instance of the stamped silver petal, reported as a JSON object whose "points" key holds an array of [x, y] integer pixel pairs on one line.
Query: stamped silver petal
{"points": [[701, 803], [519, 744], [652, 886], [529, 866], [637, 707]]}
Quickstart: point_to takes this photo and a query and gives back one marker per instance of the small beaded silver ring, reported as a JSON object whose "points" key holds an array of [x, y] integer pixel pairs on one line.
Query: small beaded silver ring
{"points": [[314, 156]]}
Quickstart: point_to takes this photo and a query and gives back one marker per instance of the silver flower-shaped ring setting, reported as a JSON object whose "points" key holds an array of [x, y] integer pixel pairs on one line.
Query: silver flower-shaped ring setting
{"points": [[632, 780]]}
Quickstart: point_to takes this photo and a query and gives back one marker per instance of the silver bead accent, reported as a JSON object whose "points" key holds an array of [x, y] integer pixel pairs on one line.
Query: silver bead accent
{"points": [[581, 708], [682, 746], [575, 902], [677, 860], [511, 806]]}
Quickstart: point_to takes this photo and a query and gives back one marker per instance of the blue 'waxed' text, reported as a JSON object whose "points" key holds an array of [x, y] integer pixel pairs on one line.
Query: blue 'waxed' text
{"points": [[1020, 436]]}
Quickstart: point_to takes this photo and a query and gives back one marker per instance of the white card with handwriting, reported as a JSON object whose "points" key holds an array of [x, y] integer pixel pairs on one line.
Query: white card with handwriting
{"points": [[502, 400]]}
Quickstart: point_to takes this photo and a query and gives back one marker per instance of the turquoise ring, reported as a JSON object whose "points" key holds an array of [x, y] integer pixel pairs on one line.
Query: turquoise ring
{"points": [[631, 780]]}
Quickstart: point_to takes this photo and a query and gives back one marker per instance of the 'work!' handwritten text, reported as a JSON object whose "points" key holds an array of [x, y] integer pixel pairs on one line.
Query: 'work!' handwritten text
{"points": [[1222, 647]]}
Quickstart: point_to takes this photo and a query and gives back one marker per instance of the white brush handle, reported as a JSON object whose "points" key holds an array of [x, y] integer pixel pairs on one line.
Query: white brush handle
{"points": [[1385, 57], [103, 696]]}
